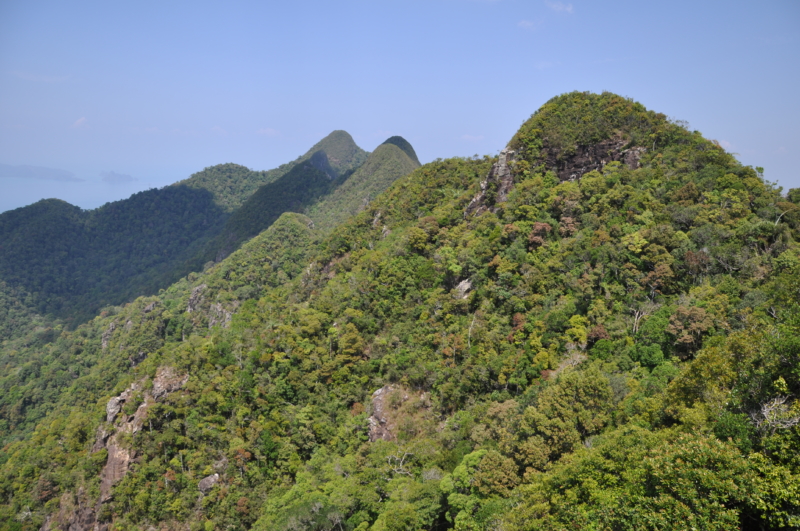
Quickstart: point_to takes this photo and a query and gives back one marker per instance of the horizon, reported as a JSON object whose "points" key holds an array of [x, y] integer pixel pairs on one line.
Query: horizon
{"points": [[123, 99]]}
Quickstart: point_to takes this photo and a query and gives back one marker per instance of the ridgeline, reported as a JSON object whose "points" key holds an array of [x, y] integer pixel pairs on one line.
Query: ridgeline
{"points": [[597, 329]]}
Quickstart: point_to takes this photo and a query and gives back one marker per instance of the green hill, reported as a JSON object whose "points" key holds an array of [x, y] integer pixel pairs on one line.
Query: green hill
{"points": [[383, 166], [232, 184], [60, 262], [72, 262], [502, 342], [333, 183]]}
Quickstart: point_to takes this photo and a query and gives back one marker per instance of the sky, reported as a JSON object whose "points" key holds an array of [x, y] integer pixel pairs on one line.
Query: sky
{"points": [[99, 100]]}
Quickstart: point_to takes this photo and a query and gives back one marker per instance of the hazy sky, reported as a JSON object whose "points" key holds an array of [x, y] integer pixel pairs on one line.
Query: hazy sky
{"points": [[116, 97]]}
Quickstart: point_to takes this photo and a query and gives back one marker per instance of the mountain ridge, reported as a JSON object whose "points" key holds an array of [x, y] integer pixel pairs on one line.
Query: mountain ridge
{"points": [[588, 351]]}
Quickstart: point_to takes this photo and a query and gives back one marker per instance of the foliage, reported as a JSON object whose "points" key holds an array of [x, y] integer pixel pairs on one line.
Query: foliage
{"points": [[614, 352]]}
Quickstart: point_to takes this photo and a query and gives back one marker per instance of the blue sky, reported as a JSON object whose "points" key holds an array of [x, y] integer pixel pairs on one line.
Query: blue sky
{"points": [[128, 96]]}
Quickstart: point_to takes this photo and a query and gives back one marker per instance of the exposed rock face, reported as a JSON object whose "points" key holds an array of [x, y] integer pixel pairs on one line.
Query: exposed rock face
{"points": [[195, 298], [593, 157], [106, 337], [219, 315], [378, 421], [80, 514], [496, 186], [167, 381], [394, 409], [462, 290], [207, 483], [75, 513]]}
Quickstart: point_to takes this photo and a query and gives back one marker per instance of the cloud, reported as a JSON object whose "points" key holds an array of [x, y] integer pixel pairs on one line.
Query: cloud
{"points": [[541, 65], [472, 138], [218, 130], [115, 178], [725, 144], [266, 131], [560, 7], [37, 172], [27, 76], [527, 24], [80, 123]]}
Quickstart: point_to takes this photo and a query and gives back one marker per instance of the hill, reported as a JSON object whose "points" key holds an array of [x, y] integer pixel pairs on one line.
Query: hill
{"points": [[231, 184], [330, 185], [64, 263], [493, 343], [383, 166]]}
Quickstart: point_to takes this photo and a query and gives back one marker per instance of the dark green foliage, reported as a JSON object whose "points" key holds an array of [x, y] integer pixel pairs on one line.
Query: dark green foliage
{"points": [[231, 184], [72, 262]]}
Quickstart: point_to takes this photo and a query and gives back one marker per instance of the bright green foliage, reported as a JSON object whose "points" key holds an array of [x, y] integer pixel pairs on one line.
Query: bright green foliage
{"points": [[582, 119], [617, 352]]}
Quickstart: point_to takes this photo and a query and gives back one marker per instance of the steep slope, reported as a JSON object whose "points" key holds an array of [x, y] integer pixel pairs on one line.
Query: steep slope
{"points": [[232, 184], [330, 185], [72, 262], [383, 166], [61, 262], [485, 346]]}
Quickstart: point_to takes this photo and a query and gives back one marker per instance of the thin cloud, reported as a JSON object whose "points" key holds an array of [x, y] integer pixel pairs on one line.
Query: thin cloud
{"points": [[560, 7], [527, 24], [115, 178], [725, 144], [218, 130], [80, 123], [267, 131], [37, 172], [28, 76]]}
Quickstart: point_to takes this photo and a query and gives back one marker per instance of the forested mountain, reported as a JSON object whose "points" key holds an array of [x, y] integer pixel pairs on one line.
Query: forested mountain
{"points": [[332, 184], [597, 329], [59, 261], [390, 161], [71, 262], [231, 184]]}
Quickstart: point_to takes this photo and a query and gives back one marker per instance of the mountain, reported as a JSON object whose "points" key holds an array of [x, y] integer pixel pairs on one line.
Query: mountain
{"points": [[334, 182], [231, 184], [598, 329], [71, 262], [390, 161], [66, 263]]}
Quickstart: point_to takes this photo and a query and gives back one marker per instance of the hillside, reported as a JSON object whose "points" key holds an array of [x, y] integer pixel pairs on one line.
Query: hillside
{"points": [[64, 263], [597, 329], [383, 166], [71, 262], [232, 184], [329, 186]]}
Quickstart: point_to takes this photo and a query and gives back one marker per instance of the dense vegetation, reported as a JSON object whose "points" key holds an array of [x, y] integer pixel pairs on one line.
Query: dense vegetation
{"points": [[383, 166], [61, 262], [618, 351], [232, 184], [71, 262]]}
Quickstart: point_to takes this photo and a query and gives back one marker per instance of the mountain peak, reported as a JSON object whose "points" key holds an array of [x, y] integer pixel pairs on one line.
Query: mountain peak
{"points": [[342, 152], [577, 132], [403, 144]]}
